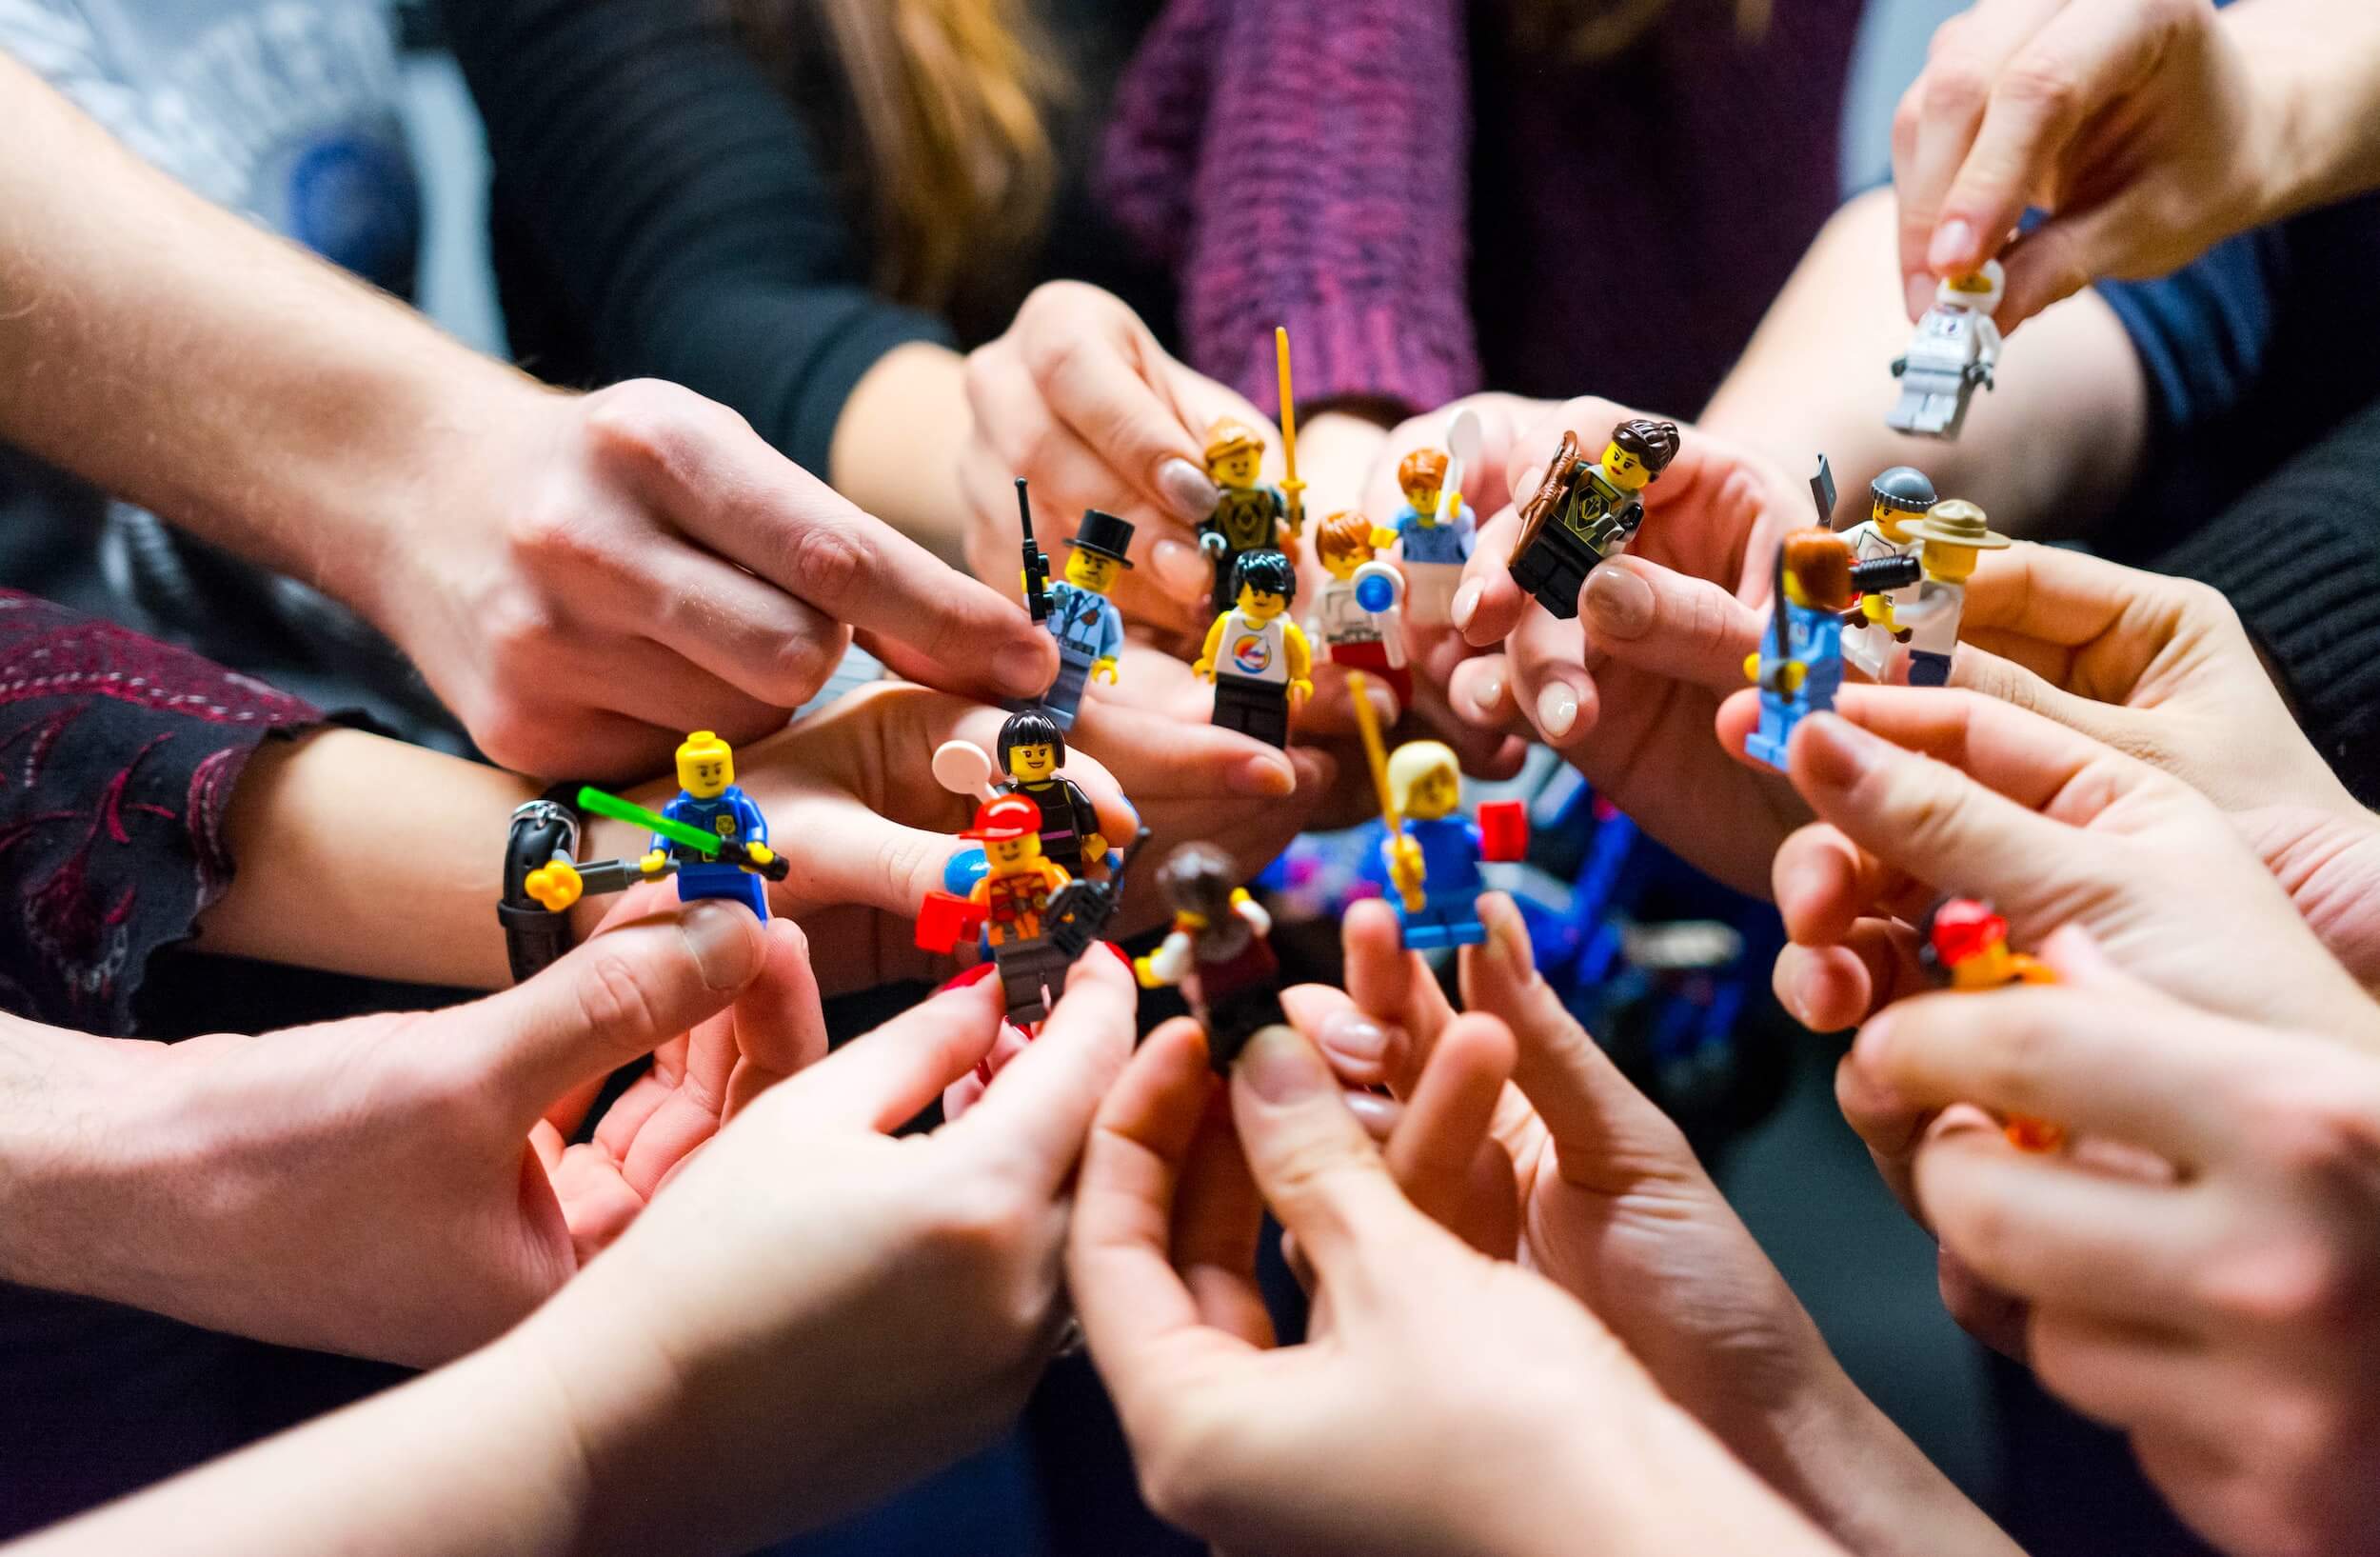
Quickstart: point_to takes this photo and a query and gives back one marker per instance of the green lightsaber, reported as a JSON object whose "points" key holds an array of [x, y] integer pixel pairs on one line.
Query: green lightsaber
{"points": [[592, 799]]}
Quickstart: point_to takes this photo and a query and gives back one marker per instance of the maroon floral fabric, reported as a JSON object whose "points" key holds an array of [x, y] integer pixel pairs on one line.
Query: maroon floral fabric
{"points": [[117, 759]]}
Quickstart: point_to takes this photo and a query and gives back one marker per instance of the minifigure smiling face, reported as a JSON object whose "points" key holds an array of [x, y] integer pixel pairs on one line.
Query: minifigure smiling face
{"points": [[1006, 856], [1889, 520], [1261, 605], [705, 767], [1089, 570], [1029, 762], [1425, 780], [1233, 454]]}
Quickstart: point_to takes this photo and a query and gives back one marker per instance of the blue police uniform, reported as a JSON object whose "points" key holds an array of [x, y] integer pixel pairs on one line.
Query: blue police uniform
{"points": [[732, 817]]}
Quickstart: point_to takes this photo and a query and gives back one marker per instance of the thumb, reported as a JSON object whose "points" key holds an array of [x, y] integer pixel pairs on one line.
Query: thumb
{"points": [[1312, 1158], [614, 998]]}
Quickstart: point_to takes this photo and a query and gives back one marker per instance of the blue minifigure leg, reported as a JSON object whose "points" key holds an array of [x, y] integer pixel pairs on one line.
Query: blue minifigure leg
{"points": [[1928, 669], [1065, 694], [1768, 742], [733, 885], [1443, 922]]}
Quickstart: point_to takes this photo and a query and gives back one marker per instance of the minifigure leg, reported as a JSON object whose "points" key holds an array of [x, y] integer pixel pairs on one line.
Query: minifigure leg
{"points": [[1768, 742], [1928, 669], [732, 885], [1025, 974], [1066, 694], [1868, 650], [1546, 572]]}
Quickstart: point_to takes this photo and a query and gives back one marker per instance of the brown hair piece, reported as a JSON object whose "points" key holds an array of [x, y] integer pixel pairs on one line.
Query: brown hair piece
{"points": [[1820, 561], [1424, 468], [1344, 534], [1655, 442]]}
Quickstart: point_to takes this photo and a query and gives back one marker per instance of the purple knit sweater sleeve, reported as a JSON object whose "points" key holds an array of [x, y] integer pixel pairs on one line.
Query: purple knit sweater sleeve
{"points": [[1305, 163]]}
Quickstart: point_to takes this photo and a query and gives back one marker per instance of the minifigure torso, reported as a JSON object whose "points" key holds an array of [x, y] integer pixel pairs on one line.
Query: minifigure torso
{"points": [[1869, 542], [1598, 514], [1932, 619], [1067, 816], [1016, 900], [1426, 540], [1339, 618], [1086, 623], [1247, 518], [1949, 339], [1450, 856], [727, 815], [1253, 650]]}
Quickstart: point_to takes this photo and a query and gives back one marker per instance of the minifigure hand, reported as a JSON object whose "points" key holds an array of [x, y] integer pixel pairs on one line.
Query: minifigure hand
{"points": [[654, 863], [1079, 398], [1299, 690], [2208, 1237], [2150, 129], [554, 885], [2050, 825], [1405, 865], [1900, 366], [399, 1186], [758, 853], [544, 604], [1337, 1446], [1878, 607], [1095, 847], [1104, 670], [1203, 669], [1213, 544]]}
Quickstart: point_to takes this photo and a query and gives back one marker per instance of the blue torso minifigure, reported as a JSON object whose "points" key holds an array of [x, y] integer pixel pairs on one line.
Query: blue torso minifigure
{"points": [[1813, 640], [732, 817], [1088, 630], [1451, 885], [1441, 543]]}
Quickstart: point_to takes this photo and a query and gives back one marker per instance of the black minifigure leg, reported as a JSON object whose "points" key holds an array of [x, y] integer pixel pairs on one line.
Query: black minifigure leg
{"points": [[1552, 576], [1230, 1027]]}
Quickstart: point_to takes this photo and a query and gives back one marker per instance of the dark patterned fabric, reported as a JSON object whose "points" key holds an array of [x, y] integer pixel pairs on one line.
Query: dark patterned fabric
{"points": [[117, 759]]}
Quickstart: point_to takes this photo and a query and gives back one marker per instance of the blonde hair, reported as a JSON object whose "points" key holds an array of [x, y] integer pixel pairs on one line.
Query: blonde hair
{"points": [[1415, 761], [1598, 30], [949, 97]]}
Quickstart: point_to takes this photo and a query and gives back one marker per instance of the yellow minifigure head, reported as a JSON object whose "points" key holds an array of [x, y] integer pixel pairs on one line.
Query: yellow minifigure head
{"points": [[1980, 291], [1421, 477], [1344, 543], [1956, 533], [1900, 497], [1031, 746], [1639, 452], [1101, 547], [1264, 584], [1816, 569], [1089, 570], [705, 766], [1010, 830], [1233, 453], [1424, 780]]}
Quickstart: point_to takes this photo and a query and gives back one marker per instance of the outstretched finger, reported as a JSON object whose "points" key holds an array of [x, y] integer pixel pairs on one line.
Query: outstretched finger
{"points": [[1034, 1116], [885, 1078]]}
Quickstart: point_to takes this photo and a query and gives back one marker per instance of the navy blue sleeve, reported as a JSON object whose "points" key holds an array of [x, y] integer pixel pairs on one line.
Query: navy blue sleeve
{"points": [[2205, 332]]}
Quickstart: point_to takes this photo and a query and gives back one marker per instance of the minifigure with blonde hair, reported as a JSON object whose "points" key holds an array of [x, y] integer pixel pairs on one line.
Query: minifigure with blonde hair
{"points": [[1249, 515], [1432, 853]]}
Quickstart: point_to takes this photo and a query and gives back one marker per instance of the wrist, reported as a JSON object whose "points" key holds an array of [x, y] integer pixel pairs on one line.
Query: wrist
{"points": [[79, 1162]]}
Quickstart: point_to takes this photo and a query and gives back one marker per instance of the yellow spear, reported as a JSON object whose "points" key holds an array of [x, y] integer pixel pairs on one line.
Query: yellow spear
{"points": [[1292, 490]]}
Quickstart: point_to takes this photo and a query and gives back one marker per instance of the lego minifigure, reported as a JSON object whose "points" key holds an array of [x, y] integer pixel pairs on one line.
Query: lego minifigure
{"points": [[1436, 529], [1584, 513], [1011, 905], [1956, 347], [1432, 854], [1248, 516], [1953, 534], [1256, 657], [710, 802], [1032, 748], [1964, 945], [1897, 497], [1358, 614], [1216, 951], [1089, 629], [1799, 662]]}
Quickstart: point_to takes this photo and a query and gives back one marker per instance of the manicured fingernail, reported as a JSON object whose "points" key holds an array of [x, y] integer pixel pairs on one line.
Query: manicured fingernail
{"points": [[1621, 602], [1508, 942], [1183, 571], [1466, 602], [966, 976], [1347, 1036], [1557, 709], [1269, 777], [1920, 295], [1186, 489], [1836, 754], [1953, 247], [1377, 1114], [1488, 697], [1025, 669], [721, 938], [1282, 1067]]}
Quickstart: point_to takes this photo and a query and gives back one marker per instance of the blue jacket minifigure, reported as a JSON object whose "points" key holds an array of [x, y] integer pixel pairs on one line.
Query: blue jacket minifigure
{"points": [[709, 800], [1089, 629], [1434, 855]]}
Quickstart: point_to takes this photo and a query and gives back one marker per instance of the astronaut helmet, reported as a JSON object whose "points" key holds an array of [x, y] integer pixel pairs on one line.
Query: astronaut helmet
{"points": [[1980, 291]]}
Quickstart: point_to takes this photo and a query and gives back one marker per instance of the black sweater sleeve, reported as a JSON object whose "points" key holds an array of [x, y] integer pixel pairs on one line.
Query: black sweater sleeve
{"points": [[2299, 557], [680, 205]]}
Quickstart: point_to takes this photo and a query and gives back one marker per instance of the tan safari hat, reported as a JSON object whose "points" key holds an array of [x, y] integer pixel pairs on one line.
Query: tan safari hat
{"points": [[1956, 522]]}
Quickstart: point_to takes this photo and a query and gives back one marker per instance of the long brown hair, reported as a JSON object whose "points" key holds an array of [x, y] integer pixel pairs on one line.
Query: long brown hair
{"points": [[1596, 30], [949, 95]]}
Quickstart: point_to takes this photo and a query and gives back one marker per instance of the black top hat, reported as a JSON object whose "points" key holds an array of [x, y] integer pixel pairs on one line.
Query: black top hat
{"points": [[1104, 534], [1905, 489]]}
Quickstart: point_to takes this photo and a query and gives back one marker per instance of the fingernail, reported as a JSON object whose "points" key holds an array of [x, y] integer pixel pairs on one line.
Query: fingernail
{"points": [[1186, 489], [966, 976], [1025, 668], [1377, 1114], [1488, 697], [1621, 602], [1952, 250], [1357, 1039], [1508, 942], [1838, 753], [1183, 571], [1384, 703], [1920, 295], [1557, 709], [721, 938], [1466, 602], [1283, 1068], [1269, 777]]}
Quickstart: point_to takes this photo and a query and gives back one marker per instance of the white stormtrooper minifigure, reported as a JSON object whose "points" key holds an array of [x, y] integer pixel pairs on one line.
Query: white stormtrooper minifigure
{"points": [[1955, 348], [1899, 498]]}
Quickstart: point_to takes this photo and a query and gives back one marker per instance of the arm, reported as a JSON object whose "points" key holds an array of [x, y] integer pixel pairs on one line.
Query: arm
{"points": [[1300, 655], [1205, 665], [2047, 461]]}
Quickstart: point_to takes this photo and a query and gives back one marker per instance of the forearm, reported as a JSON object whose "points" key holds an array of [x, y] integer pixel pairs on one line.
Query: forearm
{"points": [[2317, 67], [1662, 1485], [63, 1154], [911, 404], [174, 353], [2047, 453], [474, 1459]]}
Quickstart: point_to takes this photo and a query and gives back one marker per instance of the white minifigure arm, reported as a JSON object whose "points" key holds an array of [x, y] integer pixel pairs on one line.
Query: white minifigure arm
{"points": [[1931, 601], [1171, 960], [1260, 918], [1987, 344]]}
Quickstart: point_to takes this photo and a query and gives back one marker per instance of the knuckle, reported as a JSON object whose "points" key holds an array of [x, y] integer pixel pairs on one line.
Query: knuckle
{"points": [[609, 998], [2040, 79], [826, 562], [1955, 88]]}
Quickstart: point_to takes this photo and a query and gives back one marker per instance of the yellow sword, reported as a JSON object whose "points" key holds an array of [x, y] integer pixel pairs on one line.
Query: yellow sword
{"points": [[1292, 490]]}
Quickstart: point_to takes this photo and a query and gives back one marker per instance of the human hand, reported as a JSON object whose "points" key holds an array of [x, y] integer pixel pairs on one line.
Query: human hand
{"points": [[1625, 692], [601, 573], [1417, 1342], [2140, 125], [398, 1186], [816, 1311], [1080, 400], [2212, 1301]]}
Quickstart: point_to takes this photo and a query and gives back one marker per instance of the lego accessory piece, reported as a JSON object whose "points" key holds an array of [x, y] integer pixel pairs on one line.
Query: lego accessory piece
{"points": [[1405, 863], [1822, 490], [1036, 560], [964, 769], [1104, 534], [1956, 522], [1292, 489], [592, 799], [1963, 944]]}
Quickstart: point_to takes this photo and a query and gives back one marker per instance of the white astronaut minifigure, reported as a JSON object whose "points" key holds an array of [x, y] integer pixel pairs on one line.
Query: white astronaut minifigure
{"points": [[1955, 348], [1899, 498]]}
